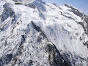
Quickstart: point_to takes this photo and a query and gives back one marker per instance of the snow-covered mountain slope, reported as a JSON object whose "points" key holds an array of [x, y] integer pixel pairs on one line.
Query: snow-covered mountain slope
{"points": [[42, 34]]}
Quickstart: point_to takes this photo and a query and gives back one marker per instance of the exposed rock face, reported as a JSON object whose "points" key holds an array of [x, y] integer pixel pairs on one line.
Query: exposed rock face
{"points": [[75, 11], [8, 12], [41, 34], [5, 59], [81, 15], [86, 43], [55, 58]]}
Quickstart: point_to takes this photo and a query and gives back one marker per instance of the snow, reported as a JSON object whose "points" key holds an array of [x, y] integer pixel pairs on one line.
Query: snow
{"points": [[61, 30], [24, 1]]}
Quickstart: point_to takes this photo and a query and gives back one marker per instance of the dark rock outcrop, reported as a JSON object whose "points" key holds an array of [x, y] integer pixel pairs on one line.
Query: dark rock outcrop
{"points": [[5, 59], [86, 44], [55, 58], [8, 12], [80, 14], [37, 28]]}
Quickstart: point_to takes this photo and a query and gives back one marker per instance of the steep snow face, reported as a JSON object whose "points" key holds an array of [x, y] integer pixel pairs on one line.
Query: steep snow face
{"points": [[42, 34]]}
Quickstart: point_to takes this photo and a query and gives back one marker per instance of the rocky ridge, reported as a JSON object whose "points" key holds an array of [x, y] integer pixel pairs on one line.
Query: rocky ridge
{"points": [[42, 34]]}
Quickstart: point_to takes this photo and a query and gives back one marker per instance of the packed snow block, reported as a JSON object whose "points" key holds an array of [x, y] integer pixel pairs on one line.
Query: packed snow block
{"points": [[8, 12], [5, 59], [55, 58]]}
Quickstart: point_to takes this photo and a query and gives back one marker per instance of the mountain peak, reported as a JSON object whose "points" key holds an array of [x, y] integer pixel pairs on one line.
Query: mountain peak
{"points": [[42, 34]]}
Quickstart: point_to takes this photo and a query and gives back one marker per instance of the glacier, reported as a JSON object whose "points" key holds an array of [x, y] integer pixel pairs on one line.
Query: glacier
{"points": [[42, 34]]}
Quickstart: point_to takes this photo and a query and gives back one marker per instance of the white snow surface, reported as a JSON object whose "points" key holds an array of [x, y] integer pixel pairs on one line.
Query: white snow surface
{"points": [[24, 1], [58, 23]]}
